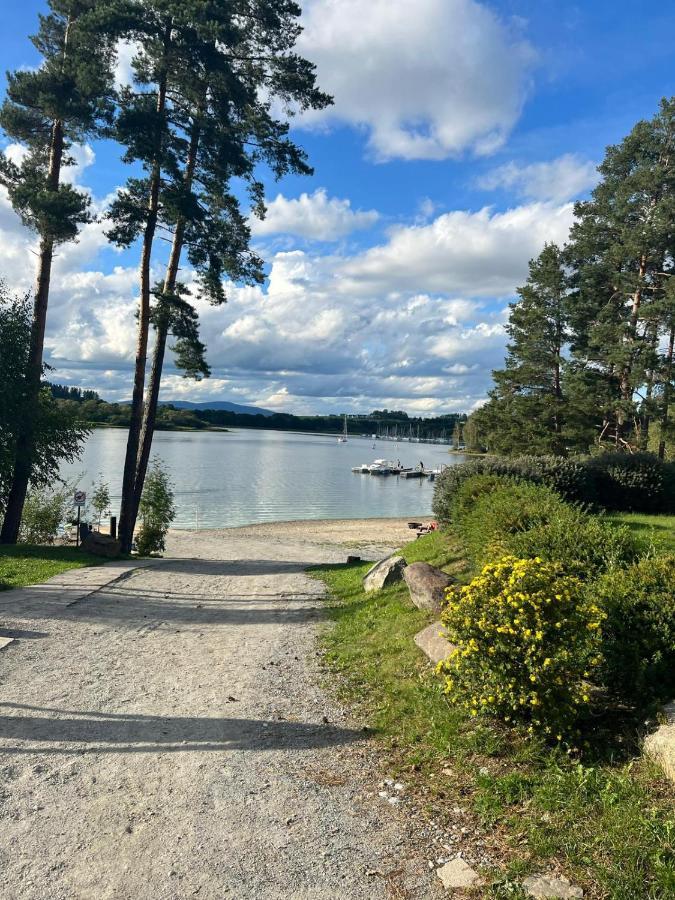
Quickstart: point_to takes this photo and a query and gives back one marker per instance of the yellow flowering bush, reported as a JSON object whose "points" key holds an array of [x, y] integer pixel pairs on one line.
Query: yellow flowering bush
{"points": [[526, 638]]}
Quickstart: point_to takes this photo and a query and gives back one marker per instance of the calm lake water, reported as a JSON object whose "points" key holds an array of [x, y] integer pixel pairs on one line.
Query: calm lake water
{"points": [[246, 476]]}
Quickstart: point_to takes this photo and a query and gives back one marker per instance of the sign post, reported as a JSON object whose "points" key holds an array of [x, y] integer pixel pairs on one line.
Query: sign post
{"points": [[79, 499]]}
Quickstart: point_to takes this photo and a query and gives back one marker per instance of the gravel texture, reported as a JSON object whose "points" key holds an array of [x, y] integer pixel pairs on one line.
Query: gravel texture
{"points": [[165, 735]]}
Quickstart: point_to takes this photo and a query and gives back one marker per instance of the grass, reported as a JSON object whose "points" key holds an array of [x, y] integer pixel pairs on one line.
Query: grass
{"points": [[25, 564], [608, 824], [656, 530]]}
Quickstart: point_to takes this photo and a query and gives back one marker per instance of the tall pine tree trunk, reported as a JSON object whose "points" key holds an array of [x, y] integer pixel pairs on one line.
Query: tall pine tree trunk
{"points": [[667, 391], [626, 383], [23, 462], [127, 516], [163, 322]]}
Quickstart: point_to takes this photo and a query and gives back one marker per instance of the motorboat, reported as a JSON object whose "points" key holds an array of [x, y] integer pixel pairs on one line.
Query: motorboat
{"points": [[384, 467]]}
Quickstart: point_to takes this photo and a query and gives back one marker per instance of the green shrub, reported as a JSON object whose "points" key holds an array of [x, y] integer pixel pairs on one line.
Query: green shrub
{"points": [[44, 512], [639, 632], [638, 481], [511, 508], [156, 510], [526, 636], [584, 544], [469, 491]]}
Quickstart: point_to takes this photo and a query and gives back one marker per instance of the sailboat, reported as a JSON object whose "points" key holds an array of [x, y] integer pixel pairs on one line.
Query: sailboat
{"points": [[342, 439]]}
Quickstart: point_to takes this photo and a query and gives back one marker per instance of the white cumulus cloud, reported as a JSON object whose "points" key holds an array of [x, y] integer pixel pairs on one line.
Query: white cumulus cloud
{"points": [[558, 180], [315, 216], [426, 79]]}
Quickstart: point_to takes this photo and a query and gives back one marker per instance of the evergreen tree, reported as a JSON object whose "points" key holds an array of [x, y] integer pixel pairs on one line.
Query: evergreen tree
{"points": [[526, 412], [621, 250], [47, 109], [58, 434], [209, 74]]}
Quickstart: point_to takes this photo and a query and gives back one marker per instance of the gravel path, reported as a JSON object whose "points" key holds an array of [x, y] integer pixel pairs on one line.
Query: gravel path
{"points": [[165, 735]]}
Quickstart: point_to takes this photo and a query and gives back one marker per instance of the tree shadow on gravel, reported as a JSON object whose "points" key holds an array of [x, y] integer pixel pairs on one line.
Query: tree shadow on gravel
{"points": [[97, 732]]}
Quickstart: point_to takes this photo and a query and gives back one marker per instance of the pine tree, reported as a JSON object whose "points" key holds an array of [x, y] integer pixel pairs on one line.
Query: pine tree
{"points": [[209, 74], [47, 109], [527, 407], [621, 251]]}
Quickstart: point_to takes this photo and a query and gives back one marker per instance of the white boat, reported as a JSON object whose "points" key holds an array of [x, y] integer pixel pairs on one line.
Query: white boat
{"points": [[343, 437], [384, 467]]}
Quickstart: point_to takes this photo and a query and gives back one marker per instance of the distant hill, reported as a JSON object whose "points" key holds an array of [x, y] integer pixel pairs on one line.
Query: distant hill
{"points": [[219, 404]]}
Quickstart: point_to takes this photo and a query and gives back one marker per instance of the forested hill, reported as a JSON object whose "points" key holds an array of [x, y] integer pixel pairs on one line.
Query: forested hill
{"points": [[92, 409]]}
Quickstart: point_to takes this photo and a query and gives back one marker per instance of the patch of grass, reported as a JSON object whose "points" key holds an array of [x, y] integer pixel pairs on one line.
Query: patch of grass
{"points": [[608, 825], [656, 530], [24, 564]]}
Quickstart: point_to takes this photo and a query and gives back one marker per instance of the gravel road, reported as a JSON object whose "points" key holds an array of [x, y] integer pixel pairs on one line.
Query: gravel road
{"points": [[166, 735]]}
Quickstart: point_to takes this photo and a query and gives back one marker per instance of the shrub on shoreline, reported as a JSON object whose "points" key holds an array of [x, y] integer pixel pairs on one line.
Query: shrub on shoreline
{"points": [[498, 516], [638, 482], [526, 637], [639, 632]]}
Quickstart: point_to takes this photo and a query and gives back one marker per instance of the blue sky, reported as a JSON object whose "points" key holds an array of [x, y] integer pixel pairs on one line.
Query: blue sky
{"points": [[460, 135]]}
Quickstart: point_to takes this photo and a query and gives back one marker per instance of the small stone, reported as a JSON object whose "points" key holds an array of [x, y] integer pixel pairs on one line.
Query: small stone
{"points": [[661, 744], [542, 886], [457, 874]]}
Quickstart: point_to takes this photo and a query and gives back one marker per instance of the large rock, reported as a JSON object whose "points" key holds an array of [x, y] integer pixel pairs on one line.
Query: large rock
{"points": [[432, 641], [387, 571], [661, 744], [101, 545], [458, 874], [543, 886], [427, 585]]}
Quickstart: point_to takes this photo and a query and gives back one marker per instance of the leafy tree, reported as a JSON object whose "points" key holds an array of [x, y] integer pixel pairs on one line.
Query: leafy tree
{"points": [[202, 115], [64, 100], [100, 499], [527, 413], [157, 510], [57, 433]]}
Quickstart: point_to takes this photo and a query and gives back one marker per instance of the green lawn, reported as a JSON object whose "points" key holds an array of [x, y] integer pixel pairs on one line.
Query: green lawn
{"points": [[608, 825], [25, 564], [656, 530]]}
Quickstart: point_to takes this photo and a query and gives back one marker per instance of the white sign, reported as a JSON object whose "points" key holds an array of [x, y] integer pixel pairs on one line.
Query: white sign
{"points": [[80, 498]]}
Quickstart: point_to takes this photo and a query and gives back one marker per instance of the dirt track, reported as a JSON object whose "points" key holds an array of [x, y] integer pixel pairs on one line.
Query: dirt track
{"points": [[167, 737]]}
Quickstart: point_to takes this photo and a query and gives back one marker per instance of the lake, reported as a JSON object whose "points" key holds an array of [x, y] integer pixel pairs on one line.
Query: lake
{"points": [[246, 476]]}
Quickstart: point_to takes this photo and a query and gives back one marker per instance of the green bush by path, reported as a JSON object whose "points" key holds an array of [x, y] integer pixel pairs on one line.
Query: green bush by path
{"points": [[608, 826], [23, 564], [639, 482], [526, 636], [498, 516], [639, 632]]}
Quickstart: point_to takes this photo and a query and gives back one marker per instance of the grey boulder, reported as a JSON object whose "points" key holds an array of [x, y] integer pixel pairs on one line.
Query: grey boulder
{"points": [[387, 571], [427, 585]]}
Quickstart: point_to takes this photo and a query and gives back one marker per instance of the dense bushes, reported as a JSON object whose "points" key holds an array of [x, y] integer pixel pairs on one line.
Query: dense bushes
{"points": [[639, 633], [614, 481], [544, 561], [498, 516], [639, 481], [526, 636]]}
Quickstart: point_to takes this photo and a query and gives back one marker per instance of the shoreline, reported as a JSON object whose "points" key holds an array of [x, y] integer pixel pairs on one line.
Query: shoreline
{"points": [[372, 534]]}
